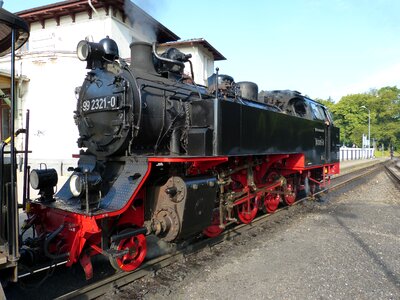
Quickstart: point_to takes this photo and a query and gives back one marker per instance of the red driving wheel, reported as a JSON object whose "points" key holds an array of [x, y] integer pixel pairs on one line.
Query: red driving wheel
{"points": [[271, 202], [135, 248], [290, 194], [213, 230], [247, 211]]}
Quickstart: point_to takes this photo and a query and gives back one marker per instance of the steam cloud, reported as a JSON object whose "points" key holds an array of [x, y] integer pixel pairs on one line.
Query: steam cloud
{"points": [[143, 25]]}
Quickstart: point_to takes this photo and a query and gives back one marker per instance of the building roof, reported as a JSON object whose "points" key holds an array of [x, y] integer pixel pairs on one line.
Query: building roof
{"points": [[72, 7], [194, 42]]}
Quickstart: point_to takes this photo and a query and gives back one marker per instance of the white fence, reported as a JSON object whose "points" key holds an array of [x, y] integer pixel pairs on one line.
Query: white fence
{"points": [[356, 153]]}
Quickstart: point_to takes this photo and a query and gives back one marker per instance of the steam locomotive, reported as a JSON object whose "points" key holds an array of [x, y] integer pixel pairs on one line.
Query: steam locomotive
{"points": [[164, 156]]}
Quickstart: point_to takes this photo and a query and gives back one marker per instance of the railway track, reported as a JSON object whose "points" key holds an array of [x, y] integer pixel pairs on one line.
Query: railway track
{"points": [[121, 279], [393, 170]]}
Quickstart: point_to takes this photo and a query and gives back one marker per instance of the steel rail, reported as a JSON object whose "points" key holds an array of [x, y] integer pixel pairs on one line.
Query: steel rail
{"points": [[121, 279], [393, 171]]}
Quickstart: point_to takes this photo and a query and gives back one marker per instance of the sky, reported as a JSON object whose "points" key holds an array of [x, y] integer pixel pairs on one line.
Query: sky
{"points": [[322, 48]]}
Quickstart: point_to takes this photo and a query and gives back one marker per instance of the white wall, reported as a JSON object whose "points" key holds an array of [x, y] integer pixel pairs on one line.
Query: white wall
{"points": [[202, 60], [66, 36], [51, 101]]}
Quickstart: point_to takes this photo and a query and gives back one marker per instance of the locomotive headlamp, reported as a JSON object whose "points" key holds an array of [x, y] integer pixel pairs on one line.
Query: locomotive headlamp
{"points": [[41, 179], [97, 53], [83, 50], [93, 53], [44, 180], [76, 185], [80, 183]]}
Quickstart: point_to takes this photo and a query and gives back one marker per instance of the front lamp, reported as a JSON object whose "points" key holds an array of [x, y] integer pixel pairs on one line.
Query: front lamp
{"points": [[92, 53], [44, 180], [76, 184], [80, 183], [83, 50]]}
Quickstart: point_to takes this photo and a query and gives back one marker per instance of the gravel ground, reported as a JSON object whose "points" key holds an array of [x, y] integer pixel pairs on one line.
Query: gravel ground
{"points": [[346, 247]]}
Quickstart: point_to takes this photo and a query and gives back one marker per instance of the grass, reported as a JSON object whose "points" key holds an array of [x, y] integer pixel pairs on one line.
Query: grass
{"points": [[386, 153]]}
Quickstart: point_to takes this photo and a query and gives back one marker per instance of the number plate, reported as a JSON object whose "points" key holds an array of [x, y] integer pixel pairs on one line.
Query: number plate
{"points": [[101, 103]]}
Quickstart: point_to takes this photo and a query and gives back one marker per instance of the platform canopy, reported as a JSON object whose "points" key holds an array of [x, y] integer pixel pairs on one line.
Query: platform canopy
{"points": [[8, 22]]}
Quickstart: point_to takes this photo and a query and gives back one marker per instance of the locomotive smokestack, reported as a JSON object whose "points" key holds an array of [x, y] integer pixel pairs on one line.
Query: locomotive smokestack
{"points": [[142, 57]]}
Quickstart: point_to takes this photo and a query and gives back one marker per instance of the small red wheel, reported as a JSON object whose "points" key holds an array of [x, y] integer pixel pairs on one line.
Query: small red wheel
{"points": [[271, 202], [136, 246], [290, 198], [213, 230], [247, 211]]}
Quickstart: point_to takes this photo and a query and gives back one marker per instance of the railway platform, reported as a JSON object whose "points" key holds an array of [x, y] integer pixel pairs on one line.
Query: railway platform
{"points": [[352, 165]]}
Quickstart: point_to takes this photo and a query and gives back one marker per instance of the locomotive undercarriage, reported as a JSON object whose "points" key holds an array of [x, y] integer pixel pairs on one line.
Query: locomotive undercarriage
{"points": [[175, 199], [250, 185]]}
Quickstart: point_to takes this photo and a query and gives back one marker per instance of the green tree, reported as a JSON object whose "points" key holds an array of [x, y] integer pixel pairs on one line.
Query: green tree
{"points": [[386, 109], [352, 119], [329, 103]]}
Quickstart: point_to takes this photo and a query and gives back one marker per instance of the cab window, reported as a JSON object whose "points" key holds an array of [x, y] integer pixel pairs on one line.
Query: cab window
{"points": [[317, 112], [300, 107], [328, 115]]}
